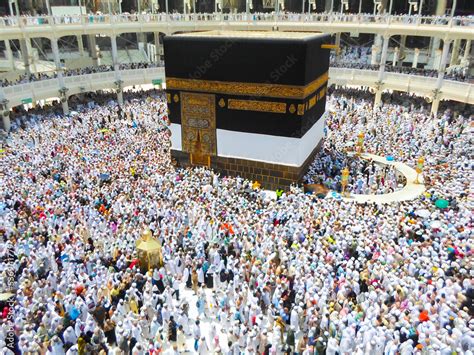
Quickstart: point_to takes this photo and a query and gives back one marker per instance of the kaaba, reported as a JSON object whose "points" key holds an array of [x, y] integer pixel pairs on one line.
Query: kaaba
{"points": [[248, 103]]}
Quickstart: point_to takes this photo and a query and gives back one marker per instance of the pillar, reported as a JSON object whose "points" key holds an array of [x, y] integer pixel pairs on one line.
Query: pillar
{"points": [[396, 51], [373, 58], [378, 40], [435, 106], [5, 113], [158, 46], [62, 89], [440, 11], [437, 60], [338, 44], [57, 61], [415, 58], [80, 45], [465, 57], [444, 59], [402, 52], [439, 80], [467, 50], [142, 43], [7, 124], [455, 52], [440, 7], [9, 53], [93, 49], [118, 82], [434, 49], [327, 5], [120, 97], [375, 49], [48, 7], [113, 41], [24, 55], [65, 105], [378, 98], [383, 59], [31, 55]]}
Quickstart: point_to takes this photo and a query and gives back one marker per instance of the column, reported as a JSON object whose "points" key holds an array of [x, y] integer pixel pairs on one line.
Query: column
{"points": [[455, 52], [328, 5], [439, 80], [118, 76], [444, 59], [80, 45], [435, 105], [395, 56], [434, 48], [338, 44], [7, 124], [120, 97], [440, 7], [378, 40], [24, 54], [440, 10], [141, 42], [402, 51], [373, 58], [57, 61], [5, 112], [93, 50], [375, 49], [383, 59], [437, 59], [467, 50], [113, 41], [31, 55], [378, 98], [62, 87], [156, 37], [11, 60], [65, 105], [465, 56], [415, 58]]}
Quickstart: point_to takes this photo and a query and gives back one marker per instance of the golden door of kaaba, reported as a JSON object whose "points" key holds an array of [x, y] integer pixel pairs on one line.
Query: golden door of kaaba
{"points": [[198, 126]]}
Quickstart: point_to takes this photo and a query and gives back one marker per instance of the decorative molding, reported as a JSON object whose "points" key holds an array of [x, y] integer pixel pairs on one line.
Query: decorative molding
{"points": [[260, 106], [247, 89]]}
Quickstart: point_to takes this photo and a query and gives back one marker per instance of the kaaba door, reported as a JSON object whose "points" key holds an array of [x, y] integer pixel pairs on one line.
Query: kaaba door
{"points": [[198, 126]]}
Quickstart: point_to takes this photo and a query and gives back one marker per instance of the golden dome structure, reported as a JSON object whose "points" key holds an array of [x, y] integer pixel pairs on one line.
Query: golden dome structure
{"points": [[149, 251]]}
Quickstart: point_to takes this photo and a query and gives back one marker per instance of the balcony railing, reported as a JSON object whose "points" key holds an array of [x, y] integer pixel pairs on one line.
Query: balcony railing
{"points": [[420, 85], [360, 19]]}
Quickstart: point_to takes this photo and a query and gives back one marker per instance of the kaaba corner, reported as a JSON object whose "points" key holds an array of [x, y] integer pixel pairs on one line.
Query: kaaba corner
{"points": [[247, 103]]}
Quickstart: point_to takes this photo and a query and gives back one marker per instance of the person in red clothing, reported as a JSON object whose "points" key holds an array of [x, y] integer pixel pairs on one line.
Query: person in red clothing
{"points": [[135, 262], [5, 312], [424, 316]]}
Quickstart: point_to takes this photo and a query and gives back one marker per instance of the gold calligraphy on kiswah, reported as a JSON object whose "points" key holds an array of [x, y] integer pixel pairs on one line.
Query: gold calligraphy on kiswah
{"points": [[261, 106], [247, 89]]}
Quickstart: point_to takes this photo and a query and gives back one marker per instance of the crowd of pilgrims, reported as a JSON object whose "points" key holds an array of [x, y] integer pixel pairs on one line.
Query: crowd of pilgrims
{"points": [[360, 57], [355, 57], [366, 176], [30, 78], [244, 272]]}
